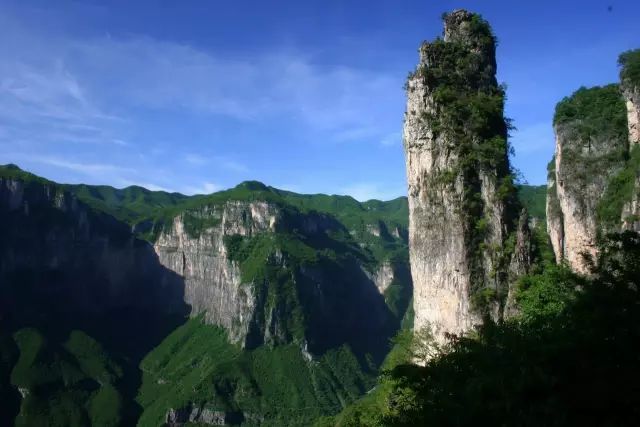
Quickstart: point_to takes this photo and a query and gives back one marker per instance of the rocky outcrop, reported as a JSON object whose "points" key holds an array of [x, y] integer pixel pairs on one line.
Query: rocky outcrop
{"points": [[553, 212], [213, 283], [271, 304], [197, 414], [265, 271], [521, 262], [24, 392], [631, 91], [382, 277], [461, 199], [590, 149], [632, 96]]}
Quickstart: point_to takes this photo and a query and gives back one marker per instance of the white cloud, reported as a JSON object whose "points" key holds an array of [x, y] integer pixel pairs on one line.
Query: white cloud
{"points": [[142, 72], [46, 104], [59, 92]]}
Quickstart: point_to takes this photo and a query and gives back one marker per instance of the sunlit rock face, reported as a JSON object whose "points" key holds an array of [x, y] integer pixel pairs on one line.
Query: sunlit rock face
{"points": [[589, 153], [631, 210], [461, 205], [213, 283], [631, 94], [283, 300]]}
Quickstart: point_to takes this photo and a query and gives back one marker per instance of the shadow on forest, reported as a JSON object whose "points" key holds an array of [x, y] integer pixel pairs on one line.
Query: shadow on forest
{"points": [[56, 282]]}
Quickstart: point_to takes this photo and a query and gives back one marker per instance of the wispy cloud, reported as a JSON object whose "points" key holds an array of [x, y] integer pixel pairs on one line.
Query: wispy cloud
{"points": [[231, 165], [142, 72], [195, 159], [392, 140], [91, 169], [205, 188], [90, 97]]}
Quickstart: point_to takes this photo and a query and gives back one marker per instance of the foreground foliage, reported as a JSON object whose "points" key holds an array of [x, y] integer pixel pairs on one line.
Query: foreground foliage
{"points": [[570, 358]]}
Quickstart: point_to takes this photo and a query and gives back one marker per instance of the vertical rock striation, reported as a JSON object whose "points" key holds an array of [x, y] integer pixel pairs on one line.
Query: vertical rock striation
{"points": [[213, 283], [270, 274], [462, 205], [591, 147], [630, 85], [555, 222]]}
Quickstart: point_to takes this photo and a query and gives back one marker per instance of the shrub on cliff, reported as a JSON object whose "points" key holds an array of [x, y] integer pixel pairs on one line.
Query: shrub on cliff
{"points": [[629, 63], [571, 359]]}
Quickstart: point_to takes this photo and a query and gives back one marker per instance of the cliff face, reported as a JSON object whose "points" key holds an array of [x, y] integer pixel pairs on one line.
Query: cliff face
{"points": [[318, 280], [631, 209], [630, 85], [213, 283], [243, 272], [591, 146], [555, 222], [632, 95], [461, 197], [248, 261], [55, 247]]}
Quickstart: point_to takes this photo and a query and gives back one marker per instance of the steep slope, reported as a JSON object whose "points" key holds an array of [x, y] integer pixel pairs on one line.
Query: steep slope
{"points": [[274, 279], [630, 84], [462, 200], [594, 184], [591, 145], [70, 278]]}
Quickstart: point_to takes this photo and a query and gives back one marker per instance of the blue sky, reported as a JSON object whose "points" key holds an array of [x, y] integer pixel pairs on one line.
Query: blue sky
{"points": [[197, 96]]}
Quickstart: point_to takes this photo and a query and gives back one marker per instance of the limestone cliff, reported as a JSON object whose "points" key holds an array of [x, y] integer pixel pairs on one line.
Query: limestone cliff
{"points": [[553, 211], [54, 248], [241, 272], [462, 206], [247, 260], [591, 147], [630, 85], [521, 261], [213, 283], [320, 281]]}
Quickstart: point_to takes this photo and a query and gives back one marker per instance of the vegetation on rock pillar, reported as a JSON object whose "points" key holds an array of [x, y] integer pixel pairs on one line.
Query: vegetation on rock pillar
{"points": [[467, 123], [629, 62]]}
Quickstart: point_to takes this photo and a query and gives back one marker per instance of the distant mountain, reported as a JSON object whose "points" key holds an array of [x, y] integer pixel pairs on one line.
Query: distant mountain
{"points": [[292, 301]]}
